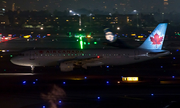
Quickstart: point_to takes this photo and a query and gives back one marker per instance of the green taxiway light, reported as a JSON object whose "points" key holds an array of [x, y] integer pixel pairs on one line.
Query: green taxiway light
{"points": [[11, 55], [88, 43], [81, 42], [95, 42], [84, 43]]}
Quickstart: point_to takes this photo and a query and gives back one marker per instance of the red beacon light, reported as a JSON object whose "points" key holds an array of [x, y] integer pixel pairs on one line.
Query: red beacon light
{"points": [[98, 56]]}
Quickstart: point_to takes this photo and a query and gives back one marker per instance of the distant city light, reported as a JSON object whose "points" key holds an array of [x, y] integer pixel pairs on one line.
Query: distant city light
{"points": [[134, 10]]}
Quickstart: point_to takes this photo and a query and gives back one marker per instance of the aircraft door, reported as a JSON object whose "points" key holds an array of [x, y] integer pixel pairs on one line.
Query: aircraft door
{"points": [[136, 53], [32, 55]]}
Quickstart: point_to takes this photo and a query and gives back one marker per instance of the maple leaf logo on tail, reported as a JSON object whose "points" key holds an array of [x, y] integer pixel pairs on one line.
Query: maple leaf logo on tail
{"points": [[156, 40]]}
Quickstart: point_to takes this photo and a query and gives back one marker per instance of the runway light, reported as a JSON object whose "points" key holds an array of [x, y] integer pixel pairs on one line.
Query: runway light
{"points": [[173, 76], [60, 101], [98, 97], [152, 94], [118, 82], [64, 82]]}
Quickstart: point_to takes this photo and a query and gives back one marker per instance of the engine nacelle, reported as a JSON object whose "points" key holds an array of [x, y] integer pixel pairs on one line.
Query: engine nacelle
{"points": [[65, 67]]}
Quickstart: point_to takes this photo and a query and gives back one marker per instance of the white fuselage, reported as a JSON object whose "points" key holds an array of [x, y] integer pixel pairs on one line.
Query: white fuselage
{"points": [[103, 56]]}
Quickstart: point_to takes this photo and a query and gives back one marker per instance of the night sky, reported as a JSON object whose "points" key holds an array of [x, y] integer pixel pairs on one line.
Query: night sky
{"points": [[122, 6]]}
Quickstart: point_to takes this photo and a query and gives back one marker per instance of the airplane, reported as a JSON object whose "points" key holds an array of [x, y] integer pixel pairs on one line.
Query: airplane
{"points": [[68, 59]]}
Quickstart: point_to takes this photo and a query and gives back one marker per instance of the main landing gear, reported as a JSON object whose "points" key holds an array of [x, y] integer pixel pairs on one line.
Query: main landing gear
{"points": [[32, 68]]}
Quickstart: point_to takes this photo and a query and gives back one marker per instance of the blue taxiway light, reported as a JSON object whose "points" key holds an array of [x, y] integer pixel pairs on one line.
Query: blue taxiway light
{"points": [[107, 82], [173, 76], [177, 50], [34, 82], [152, 94], [85, 77], [161, 66], [60, 101], [24, 82], [98, 97], [36, 79], [64, 82], [107, 66], [174, 58], [44, 106]]}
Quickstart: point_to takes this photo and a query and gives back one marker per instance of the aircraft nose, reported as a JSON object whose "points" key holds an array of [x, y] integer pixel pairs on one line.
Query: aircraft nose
{"points": [[14, 60]]}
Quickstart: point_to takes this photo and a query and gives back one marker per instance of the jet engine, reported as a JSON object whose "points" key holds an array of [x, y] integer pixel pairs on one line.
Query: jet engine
{"points": [[65, 67]]}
